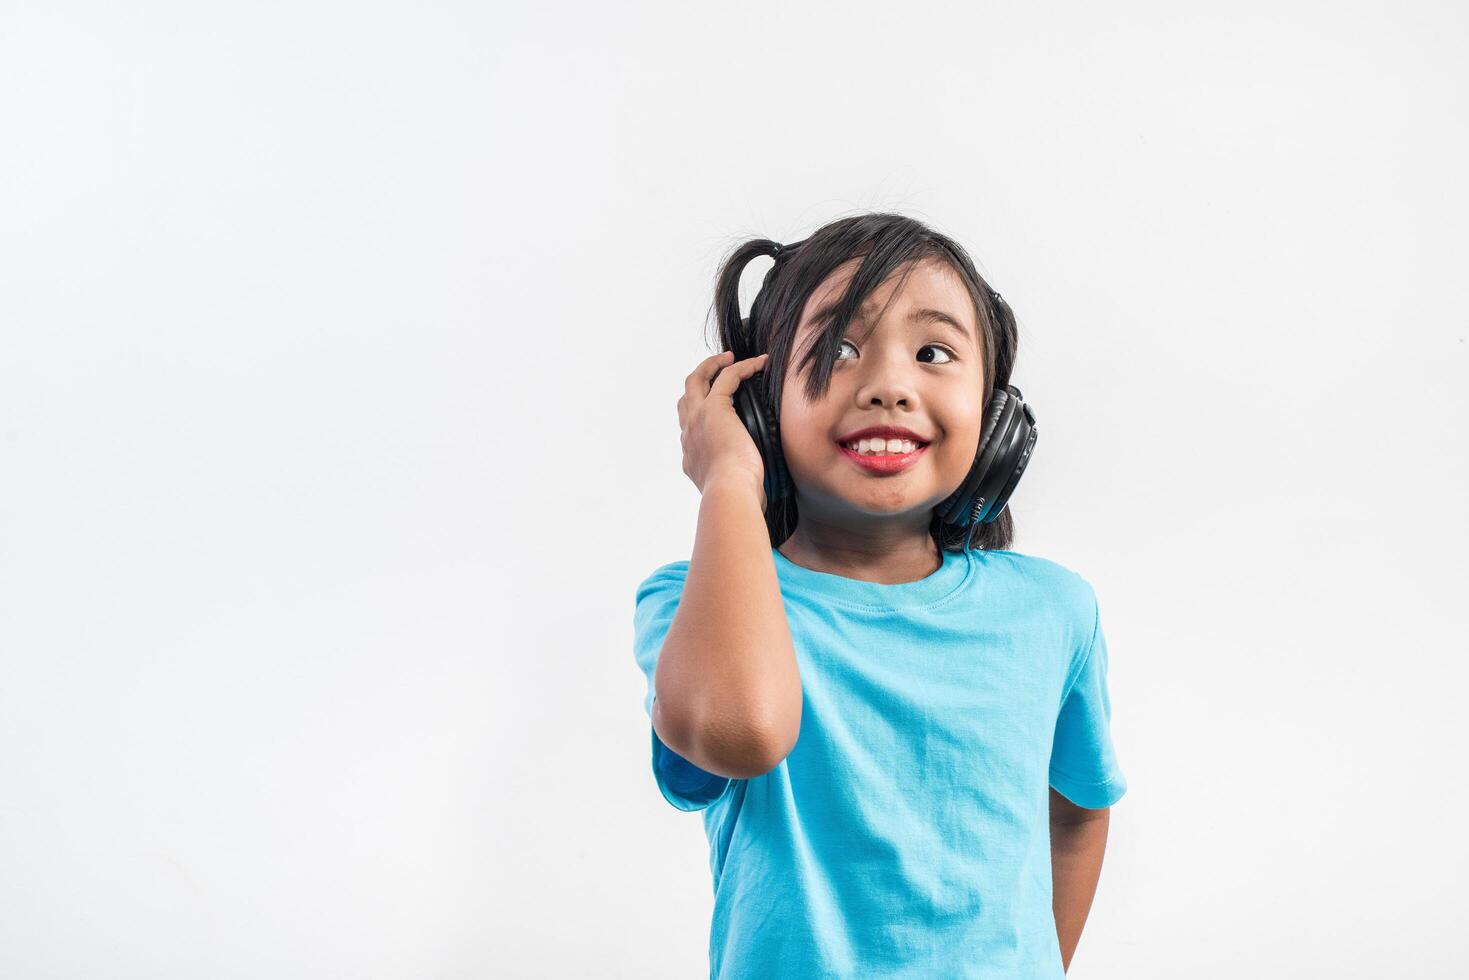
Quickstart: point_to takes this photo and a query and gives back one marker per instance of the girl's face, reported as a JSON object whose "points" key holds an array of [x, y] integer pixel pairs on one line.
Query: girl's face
{"points": [[912, 369]]}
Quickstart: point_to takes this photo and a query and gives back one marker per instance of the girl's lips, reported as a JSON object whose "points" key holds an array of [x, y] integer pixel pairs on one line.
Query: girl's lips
{"points": [[894, 463]]}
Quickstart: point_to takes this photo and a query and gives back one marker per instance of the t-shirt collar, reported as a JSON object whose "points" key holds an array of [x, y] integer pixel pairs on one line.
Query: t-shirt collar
{"points": [[946, 580]]}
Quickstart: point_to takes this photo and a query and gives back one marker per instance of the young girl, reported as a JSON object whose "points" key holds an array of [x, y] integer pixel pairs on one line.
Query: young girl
{"points": [[897, 730]]}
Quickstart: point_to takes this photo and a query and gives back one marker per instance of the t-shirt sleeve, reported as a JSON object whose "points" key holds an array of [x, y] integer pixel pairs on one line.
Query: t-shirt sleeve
{"points": [[1084, 765], [682, 783]]}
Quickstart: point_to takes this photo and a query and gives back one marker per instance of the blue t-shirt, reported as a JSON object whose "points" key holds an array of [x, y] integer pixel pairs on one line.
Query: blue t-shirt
{"points": [[907, 834]]}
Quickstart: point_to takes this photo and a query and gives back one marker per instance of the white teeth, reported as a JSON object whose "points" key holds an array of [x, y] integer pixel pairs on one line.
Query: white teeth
{"points": [[882, 447]]}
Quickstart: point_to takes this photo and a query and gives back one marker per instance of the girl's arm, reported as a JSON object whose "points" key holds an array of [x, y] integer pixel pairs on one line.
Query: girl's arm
{"points": [[729, 691], [1078, 838]]}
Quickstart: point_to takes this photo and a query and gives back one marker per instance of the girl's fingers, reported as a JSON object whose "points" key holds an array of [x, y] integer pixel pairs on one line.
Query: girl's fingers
{"points": [[697, 383], [729, 379]]}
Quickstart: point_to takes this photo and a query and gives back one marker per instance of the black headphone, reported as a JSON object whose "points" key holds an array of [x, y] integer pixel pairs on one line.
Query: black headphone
{"points": [[1005, 444]]}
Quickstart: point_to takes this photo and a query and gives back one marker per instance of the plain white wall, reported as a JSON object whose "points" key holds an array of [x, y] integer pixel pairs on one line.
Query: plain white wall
{"points": [[339, 353]]}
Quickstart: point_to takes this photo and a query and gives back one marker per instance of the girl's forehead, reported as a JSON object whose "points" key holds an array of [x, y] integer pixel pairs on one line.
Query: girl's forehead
{"points": [[831, 289], [929, 277]]}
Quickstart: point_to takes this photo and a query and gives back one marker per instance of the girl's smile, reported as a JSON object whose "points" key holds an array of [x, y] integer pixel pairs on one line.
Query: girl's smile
{"points": [[885, 462]]}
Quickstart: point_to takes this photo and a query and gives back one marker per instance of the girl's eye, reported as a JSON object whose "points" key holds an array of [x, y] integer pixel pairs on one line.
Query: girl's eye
{"points": [[948, 354]]}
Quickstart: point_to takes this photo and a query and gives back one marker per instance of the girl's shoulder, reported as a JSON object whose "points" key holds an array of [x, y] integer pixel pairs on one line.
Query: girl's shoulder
{"points": [[1050, 576], [667, 576]]}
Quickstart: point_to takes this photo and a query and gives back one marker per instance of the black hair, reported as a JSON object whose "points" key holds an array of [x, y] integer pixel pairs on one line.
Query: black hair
{"points": [[888, 243]]}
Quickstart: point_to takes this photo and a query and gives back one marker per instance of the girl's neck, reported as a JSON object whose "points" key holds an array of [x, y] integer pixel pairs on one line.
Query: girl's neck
{"points": [[884, 557]]}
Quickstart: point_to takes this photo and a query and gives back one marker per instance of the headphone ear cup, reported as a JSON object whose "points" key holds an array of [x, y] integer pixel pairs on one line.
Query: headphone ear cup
{"points": [[956, 506], [1003, 497], [763, 425], [1005, 446]]}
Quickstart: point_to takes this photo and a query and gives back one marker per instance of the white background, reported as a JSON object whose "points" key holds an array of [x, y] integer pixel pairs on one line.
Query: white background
{"points": [[339, 354]]}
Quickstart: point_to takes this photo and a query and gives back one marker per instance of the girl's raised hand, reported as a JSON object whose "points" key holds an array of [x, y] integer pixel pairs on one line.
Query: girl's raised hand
{"points": [[715, 440]]}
